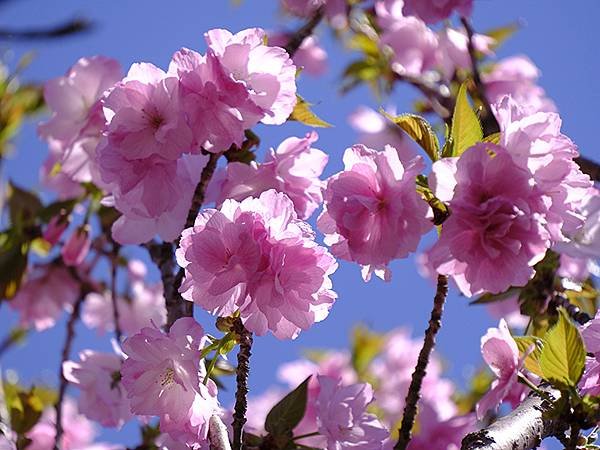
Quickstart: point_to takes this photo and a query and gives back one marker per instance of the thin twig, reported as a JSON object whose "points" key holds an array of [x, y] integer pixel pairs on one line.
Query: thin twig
{"points": [[242, 371], [488, 119], [113, 290], [66, 352], [414, 391], [303, 32], [67, 28], [200, 191]]}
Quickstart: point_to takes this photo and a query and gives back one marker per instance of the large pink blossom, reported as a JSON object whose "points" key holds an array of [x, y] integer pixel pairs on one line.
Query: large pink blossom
{"points": [[432, 11], [102, 398], [342, 416], [294, 169], [310, 57], [500, 352], [163, 376], [267, 72], [372, 213], [47, 291], [495, 233], [255, 256]]}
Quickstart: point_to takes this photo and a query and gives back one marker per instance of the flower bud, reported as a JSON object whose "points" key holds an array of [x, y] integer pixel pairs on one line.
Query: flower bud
{"points": [[56, 227], [77, 247]]}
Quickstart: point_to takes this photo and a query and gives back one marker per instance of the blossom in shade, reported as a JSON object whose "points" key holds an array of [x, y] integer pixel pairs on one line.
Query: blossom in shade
{"points": [[500, 352], [496, 233], [375, 131], [440, 433], [102, 397], [47, 291], [453, 52], [372, 213], [255, 256], [432, 11], [293, 168], [163, 376], [310, 56], [342, 415], [77, 246], [267, 72]]}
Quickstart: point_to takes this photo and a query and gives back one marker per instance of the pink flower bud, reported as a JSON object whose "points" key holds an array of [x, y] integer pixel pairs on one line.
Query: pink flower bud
{"points": [[56, 227], [77, 247]]}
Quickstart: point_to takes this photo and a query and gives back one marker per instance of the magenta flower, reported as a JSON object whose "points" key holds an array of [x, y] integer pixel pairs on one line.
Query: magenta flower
{"points": [[495, 233], [55, 228], [255, 256], [372, 213], [268, 73], [77, 247], [293, 169], [343, 418], [102, 398], [433, 11], [47, 291], [163, 376], [500, 352]]}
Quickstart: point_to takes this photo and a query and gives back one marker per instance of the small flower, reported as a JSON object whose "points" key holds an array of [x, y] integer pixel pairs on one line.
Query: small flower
{"points": [[77, 247], [55, 228]]}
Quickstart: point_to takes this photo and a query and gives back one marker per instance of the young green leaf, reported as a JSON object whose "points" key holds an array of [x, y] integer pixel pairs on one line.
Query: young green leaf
{"points": [[525, 343], [466, 129], [563, 357], [288, 413], [420, 131], [493, 138], [303, 114]]}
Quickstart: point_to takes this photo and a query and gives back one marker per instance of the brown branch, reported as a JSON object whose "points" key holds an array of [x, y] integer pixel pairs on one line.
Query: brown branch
{"points": [[303, 32], [488, 119], [242, 371], [522, 429], [113, 290], [589, 167], [200, 191], [66, 352], [67, 28], [438, 95], [414, 391]]}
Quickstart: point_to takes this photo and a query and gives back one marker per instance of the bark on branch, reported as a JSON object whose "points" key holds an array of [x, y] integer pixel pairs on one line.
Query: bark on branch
{"points": [[242, 371], [217, 434], [303, 32]]}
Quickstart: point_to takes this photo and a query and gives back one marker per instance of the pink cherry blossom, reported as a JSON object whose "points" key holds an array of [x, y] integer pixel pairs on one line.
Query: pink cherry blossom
{"points": [[509, 310], [335, 10], [453, 52], [55, 228], [54, 178], [267, 72], [294, 169], [375, 132], [432, 11], [255, 256], [500, 352], [372, 213], [7, 441], [47, 291], [343, 418], [585, 242], [163, 376], [576, 269], [102, 398], [590, 380], [496, 232], [77, 247], [435, 432], [310, 56]]}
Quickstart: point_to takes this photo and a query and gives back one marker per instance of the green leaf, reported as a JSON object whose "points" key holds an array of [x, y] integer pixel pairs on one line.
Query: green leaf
{"points": [[13, 263], [524, 344], [563, 357], [303, 114], [23, 205], [288, 413], [466, 129], [366, 345], [419, 130], [493, 138], [501, 34]]}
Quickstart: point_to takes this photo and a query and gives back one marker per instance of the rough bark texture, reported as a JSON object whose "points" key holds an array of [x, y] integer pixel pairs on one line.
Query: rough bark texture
{"points": [[217, 434], [241, 392], [522, 429], [302, 33]]}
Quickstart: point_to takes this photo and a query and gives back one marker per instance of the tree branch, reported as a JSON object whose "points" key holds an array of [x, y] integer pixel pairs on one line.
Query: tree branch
{"points": [[113, 289], [303, 32], [522, 429], [217, 434], [242, 371], [67, 28], [589, 167], [414, 391]]}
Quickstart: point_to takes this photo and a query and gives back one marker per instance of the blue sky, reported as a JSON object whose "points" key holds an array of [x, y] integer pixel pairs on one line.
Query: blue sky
{"points": [[560, 37]]}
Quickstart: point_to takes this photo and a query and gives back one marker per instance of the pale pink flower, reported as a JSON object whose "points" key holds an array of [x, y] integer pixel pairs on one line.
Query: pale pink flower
{"points": [[591, 335], [54, 178], [102, 398], [432, 11], [372, 213], [7, 442], [77, 247], [453, 52], [255, 256], [267, 72], [509, 310], [310, 56], [294, 169], [590, 380], [517, 76], [47, 291], [501, 353], [55, 228], [575, 269], [164, 376], [342, 416], [375, 131], [585, 242], [78, 432], [435, 432], [336, 11], [495, 233]]}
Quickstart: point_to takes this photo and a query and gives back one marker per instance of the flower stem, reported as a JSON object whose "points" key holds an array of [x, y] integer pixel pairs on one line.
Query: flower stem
{"points": [[242, 372], [414, 391], [113, 289], [307, 435]]}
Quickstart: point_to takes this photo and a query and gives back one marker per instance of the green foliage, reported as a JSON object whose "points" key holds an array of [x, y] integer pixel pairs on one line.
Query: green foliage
{"points": [[366, 345], [532, 347], [478, 386], [303, 114], [562, 358], [25, 407], [420, 131], [501, 34], [288, 412], [439, 208], [466, 129]]}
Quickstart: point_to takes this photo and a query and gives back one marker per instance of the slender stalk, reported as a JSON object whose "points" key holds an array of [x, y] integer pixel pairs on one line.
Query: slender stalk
{"points": [[113, 290], [414, 391], [303, 32], [70, 337], [242, 371], [200, 191], [307, 435]]}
